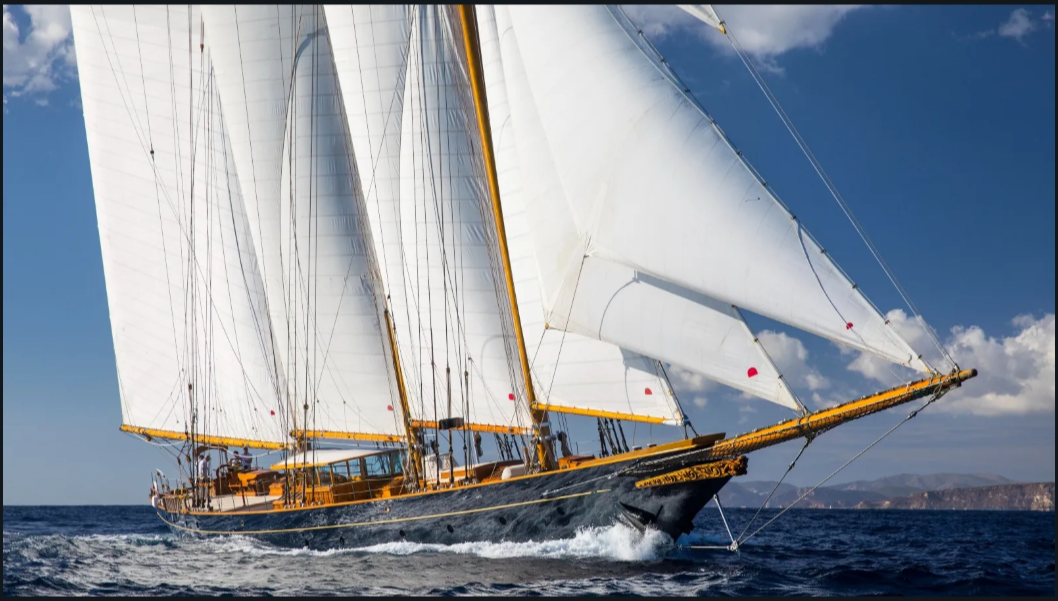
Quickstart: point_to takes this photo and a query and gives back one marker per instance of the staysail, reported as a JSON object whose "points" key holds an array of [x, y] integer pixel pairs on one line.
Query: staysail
{"points": [[658, 189], [187, 307]]}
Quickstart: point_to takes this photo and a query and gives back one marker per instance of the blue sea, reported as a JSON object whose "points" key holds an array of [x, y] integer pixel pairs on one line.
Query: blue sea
{"points": [[126, 551]]}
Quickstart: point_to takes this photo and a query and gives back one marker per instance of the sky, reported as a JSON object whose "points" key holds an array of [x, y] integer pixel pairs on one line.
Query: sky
{"points": [[936, 124]]}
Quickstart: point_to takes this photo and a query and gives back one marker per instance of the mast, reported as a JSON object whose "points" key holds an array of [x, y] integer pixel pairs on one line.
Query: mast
{"points": [[477, 82], [410, 428]]}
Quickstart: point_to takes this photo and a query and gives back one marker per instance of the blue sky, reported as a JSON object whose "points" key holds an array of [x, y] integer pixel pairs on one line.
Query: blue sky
{"points": [[936, 124]]}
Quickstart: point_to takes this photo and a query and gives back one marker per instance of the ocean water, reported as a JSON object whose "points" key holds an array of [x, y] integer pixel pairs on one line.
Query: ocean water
{"points": [[127, 551]]}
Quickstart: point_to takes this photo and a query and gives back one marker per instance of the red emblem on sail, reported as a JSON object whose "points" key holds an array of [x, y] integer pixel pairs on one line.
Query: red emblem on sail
{"points": [[272, 412], [848, 326], [389, 407], [752, 372], [648, 392], [511, 396]]}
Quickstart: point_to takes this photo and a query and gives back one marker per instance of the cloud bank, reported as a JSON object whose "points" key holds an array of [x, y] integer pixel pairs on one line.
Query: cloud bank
{"points": [[1016, 372]]}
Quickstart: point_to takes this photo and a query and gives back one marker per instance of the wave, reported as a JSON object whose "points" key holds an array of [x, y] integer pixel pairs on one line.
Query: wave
{"points": [[615, 543]]}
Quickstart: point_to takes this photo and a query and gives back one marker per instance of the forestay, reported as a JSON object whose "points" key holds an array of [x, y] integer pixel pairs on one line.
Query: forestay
{"points": [[187, 306], [657, 188]]}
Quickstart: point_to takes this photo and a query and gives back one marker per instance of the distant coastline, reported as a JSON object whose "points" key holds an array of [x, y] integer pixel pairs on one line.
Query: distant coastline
{"points": [[960, 492]]}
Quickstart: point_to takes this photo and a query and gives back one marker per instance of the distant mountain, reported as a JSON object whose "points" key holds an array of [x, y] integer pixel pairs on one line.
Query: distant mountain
{"points": [[875, 493], [907, 484], [1016, 497]]}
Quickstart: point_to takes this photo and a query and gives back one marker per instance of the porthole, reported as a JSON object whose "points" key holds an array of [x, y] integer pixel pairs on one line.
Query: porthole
{"points": [[450, 529], [503, 521]]}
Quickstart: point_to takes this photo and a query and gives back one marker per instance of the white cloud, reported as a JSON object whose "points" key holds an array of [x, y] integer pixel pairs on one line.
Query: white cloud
{"points": [[763, 31], [687, 383], [791, 357], [35, 61], [1018, 26], [1016, 373]]}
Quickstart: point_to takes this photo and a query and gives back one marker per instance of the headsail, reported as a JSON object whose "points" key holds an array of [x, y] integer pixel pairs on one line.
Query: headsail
{"points": [[659, 320], [187, 307], [658, 189]]}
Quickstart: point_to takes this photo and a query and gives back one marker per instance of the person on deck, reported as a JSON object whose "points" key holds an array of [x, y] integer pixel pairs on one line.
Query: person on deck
{"points": [[236, 462], [247, 460], [203, 467]]}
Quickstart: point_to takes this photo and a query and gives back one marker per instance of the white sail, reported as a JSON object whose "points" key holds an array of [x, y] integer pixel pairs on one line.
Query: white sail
{"points": [[706, 14], [658, 320], [572, 373], [658, 189], [186, 302], [276, 77], [413, 128], [672, 324]]}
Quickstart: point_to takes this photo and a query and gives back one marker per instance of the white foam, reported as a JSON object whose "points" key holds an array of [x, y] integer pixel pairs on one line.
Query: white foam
{"points": [[617, 542]]}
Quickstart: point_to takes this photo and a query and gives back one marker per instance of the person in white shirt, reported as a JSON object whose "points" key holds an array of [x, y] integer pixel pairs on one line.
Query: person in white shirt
{"points": [[203, 467]]}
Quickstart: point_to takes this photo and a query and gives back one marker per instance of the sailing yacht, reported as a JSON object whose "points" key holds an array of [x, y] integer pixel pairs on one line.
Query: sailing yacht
{"points": [[397, 250]]}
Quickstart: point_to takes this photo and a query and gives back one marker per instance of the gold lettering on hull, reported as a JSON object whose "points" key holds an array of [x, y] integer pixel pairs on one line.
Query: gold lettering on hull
{"points": [[707, 471]]}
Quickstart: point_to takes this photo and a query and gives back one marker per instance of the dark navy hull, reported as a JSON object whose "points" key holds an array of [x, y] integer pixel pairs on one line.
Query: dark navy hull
{"points": [[548, 506]]}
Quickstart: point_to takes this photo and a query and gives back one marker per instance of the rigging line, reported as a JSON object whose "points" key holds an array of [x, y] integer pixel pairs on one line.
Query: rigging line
{"points": [[763, 505], [562, 341], [767, 356], [803, 145], [937, 396], [377, 285], [242, 268], [427, 144], [257, 205]]}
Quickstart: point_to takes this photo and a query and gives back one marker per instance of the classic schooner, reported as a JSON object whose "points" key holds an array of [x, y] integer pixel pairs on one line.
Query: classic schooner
{"points": [[396, 250]]}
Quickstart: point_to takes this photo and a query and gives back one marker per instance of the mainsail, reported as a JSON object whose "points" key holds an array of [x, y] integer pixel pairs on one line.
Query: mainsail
{"points": [[291, 143], [186, 300]]}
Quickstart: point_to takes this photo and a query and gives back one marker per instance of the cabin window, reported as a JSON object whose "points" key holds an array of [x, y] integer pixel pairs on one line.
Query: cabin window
{"points": [[378, 465], [354, 469]]}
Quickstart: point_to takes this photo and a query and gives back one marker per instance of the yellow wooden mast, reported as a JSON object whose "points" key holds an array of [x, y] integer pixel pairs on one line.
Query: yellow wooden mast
{"points": [[477, 82], [410, 428]]}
